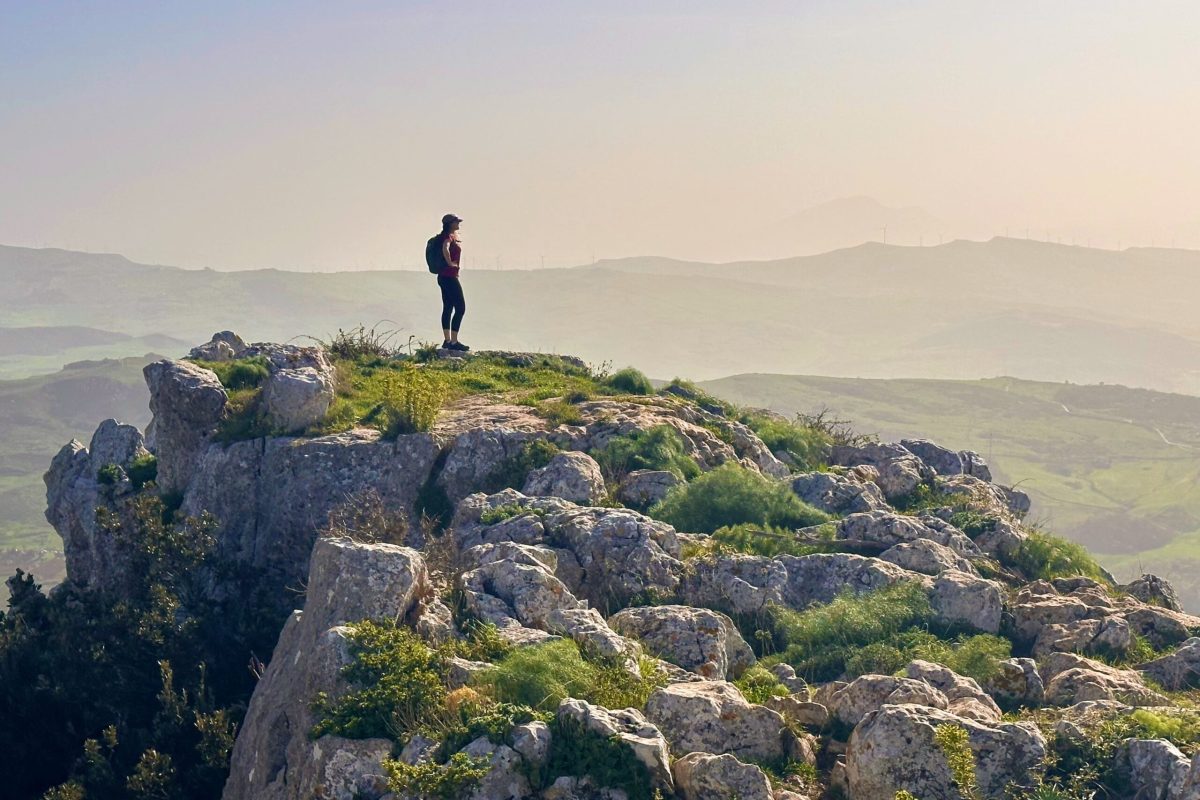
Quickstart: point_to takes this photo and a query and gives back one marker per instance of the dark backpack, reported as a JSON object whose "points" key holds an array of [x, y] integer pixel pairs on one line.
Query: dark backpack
{"points": [[433, 255]]}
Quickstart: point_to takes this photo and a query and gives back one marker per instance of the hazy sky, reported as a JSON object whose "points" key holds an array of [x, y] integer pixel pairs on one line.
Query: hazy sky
{"points": [[334, 135]]}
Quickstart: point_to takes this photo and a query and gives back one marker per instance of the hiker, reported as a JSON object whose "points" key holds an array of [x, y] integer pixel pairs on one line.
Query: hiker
{"points": [[443, 256]]}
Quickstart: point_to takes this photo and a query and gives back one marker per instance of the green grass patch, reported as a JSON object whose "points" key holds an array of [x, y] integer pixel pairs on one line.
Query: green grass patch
{"points": [[239, 373], [819, 642], [733, 495], [1046, 556], [808, 446], [429, 779], [758, 685], [630, 381], [761, 540], [501, 513], [658, 448], [543, 675]]}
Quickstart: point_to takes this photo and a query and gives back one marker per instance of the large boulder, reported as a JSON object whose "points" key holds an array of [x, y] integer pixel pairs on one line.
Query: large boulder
{"points": [[701, 776], [894, 749], [1157, 770], [697, 639], [867, 693], [1017, 683], [1178, 670], [224, 346], [945, 461], [627, 726], [643, 488], [82, 480], [838, 494], [739, 584], [506, 778], [821, 577], [963, 599], [1072, 679], [1154, 591], [295, 399], [187, 402], [274, 757], [964, 695], [899, 471], [572, 476], [887, 528], [713, 717], [927, 557]]}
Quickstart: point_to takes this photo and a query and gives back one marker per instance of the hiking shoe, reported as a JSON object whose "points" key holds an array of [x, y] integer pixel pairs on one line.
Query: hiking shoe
{"points": [[457, 346], [446, 345]]}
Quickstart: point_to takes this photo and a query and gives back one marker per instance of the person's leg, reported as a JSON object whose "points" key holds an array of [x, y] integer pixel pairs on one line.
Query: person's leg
{"points": [[448, 296], [460, 308]]}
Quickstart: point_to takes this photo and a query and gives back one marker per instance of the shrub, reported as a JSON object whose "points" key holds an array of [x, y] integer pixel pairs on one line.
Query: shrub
{"points": [[360, 342], [973, 523], [411, 401], [955, 744], [397, 682], [1045, 556], [761, 540], [925, 497], [658, 448], [808, 446], [731, 495], [512, 472], [975, 657], [690, 391], [820, 640], [142, 470], [428, 779], [507, 511], [607, 760], [630, 381], [109, 475], [542, 675], [758, 684], [240, 373]]}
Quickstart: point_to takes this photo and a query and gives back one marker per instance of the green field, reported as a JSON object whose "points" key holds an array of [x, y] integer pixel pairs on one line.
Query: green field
{"points": [[1117, 469]]}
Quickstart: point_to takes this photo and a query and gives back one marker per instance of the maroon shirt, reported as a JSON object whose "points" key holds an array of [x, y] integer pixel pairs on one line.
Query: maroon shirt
{"points": [[455, 256]]}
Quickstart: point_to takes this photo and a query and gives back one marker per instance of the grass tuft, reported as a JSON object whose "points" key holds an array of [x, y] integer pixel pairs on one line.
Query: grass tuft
{"points": [[733, 495]]}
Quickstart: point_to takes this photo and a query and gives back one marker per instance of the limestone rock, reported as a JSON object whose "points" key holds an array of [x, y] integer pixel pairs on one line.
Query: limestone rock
{"points": [[894, 749], [739, 584], [572, 476], [505, 778], [224, 346], [1156, 769], [964, 695], [703, 641], [838, 494], [959, 598], [1073, 679], [887, 528], [532, 742], [713, 717], [927, 557], [1178, 670], [1017, 683], [821, 577], [868, 693], [295, 399], [187, 402], [631, 727], [273, 756], [944, 461], [700, 776], [643, 488], [1154, 591], [900, 472]]}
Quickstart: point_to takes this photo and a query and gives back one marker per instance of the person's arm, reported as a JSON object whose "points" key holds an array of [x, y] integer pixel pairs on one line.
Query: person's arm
{"points": [[446, 252]]}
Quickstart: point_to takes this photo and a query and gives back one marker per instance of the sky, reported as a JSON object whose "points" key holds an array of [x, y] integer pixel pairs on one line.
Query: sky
{"points": [[317, 135]]}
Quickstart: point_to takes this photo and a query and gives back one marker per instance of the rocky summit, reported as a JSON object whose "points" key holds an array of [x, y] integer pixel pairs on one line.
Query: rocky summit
{"points": [[509, 575]]}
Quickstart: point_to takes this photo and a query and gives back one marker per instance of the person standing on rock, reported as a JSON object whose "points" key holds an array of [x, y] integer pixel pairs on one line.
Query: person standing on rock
{"points": [[443, 255]]}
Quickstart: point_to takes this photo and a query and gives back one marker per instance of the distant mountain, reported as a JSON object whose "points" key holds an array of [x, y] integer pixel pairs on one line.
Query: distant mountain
{"points": [[961, 310], [1111, 467], [849, 221], [44, 349]]}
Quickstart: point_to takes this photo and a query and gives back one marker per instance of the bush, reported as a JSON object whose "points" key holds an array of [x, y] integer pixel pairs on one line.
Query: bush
{"points": [[661, 447], [240, 373], [607, 760], [819, 641], [411, 402], [1045, 556], [142, 470], [732, 495], [630, 381], [507, 511], [428, 779], [761, 540], [807, 446], [398, 686], [975, 657], [109, 475], [955, 744], [360, 342], [758, 685], [543, 675]]}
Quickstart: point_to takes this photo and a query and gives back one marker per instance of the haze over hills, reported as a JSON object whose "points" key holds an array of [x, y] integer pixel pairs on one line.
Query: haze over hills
{"points": [[958, 311]]}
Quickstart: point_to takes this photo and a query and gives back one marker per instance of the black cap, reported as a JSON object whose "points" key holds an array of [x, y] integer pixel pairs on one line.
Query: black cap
{"points": [[450, 219]]}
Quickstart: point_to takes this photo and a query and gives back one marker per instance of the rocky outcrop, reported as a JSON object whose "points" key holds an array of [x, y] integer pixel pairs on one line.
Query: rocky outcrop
{"points": [[964, 696], [187, 402], [838, 494], [944, 461], [899, 472], [629, 727], [572, 476], [894, 749], [1178, 670], [713, 717], [643, 488], [700, 776], [274, 756], [1071, 679], [1155, 591], [849, 704], [697, 639]]}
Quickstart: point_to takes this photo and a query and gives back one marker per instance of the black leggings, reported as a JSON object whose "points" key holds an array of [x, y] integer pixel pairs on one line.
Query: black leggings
{"points": [[452, 301]]}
